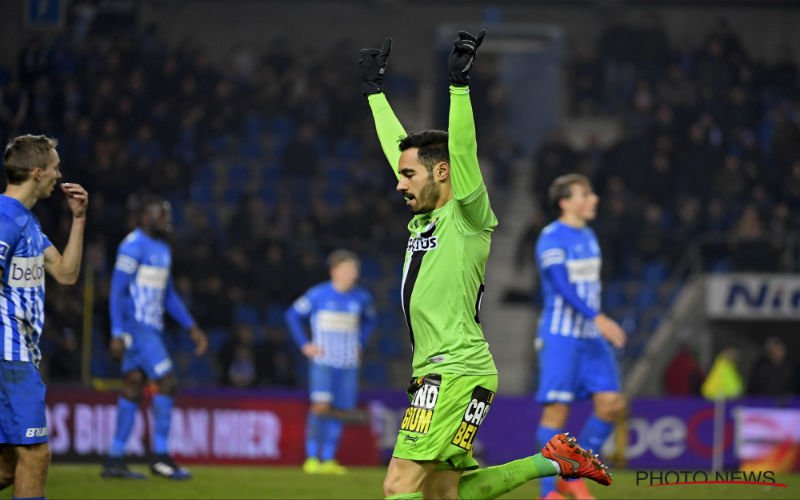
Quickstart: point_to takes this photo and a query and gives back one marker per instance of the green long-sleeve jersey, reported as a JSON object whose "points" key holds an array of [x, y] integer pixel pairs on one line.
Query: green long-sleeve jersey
{"points": [[445, 262]]}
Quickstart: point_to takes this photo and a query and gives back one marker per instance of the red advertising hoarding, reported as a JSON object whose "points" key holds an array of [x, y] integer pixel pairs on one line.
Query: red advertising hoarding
{"points": [[213, 429]]}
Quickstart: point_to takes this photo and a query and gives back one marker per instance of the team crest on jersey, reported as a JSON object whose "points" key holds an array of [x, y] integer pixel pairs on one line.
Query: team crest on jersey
{"points": [[424, 393], [474, 415]]}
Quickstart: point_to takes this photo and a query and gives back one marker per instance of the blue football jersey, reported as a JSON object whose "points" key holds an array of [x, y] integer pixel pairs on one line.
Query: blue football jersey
{"points": [[22, 246], [340, 322], [576, 249], [145, 262]]}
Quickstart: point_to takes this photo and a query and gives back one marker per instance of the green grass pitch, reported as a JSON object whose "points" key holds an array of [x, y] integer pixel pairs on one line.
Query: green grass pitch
{"points": [[84, 481]]}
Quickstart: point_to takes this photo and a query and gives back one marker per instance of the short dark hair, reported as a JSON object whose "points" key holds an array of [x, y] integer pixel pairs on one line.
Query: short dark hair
{"points": [[338, 256], [561, 188], [432, 146], [145, 201], [24, 153]]}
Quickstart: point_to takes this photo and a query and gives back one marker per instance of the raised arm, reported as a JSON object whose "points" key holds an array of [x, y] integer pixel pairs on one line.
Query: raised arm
{"points": [[390, 132], [465, 173], [462, 144], [66, 267]]}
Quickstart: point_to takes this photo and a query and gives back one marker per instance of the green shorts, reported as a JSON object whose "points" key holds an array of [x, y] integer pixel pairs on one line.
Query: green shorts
{"points": [[445, 413]]}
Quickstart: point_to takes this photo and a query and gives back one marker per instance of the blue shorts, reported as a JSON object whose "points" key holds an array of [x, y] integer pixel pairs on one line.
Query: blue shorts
{"points": [[575, 368], [337, 386], [147, 353], [23, 419]]}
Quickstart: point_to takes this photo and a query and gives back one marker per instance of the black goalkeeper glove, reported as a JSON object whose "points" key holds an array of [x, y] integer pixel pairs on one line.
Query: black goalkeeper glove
{"points": [[373, 65], [462, 56]]}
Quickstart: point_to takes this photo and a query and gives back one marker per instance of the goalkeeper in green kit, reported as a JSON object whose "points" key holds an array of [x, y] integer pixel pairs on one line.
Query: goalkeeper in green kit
{"points": [[454, 375]]}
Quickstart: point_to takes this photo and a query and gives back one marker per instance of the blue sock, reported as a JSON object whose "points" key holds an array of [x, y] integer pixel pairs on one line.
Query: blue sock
{"points": [[126, 415], [543, 435], [162, 418], [594, 433], [314, 425], [330, 440]]}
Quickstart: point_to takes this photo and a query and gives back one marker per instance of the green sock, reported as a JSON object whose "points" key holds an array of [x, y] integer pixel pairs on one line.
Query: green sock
{"points": [[406, 496], [500, 479]]}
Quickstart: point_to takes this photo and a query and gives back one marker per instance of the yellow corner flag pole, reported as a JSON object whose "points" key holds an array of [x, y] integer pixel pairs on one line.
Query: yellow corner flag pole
{"points": [[723, 383]]}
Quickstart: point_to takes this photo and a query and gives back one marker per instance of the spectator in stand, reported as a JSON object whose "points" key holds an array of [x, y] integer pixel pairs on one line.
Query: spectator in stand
{"points": [[683, 375], [773, 373]]}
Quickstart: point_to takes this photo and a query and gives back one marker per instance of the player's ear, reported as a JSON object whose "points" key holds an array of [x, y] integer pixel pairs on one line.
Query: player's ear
{"points": [[442, 171]]}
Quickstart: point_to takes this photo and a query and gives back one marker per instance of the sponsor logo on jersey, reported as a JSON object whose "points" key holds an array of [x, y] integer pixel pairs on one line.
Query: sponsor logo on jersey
{"points": [[31, 432], [26, 272], [423, 244], [581, 270], [474, 415], [3, 250], [425, 239], [423, 403], [337, 321], [152, 277]]}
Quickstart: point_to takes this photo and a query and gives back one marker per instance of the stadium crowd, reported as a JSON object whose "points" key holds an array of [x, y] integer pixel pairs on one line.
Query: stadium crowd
{"points": [[270, 163], [704, 174], [261, 160], [709, 144]]}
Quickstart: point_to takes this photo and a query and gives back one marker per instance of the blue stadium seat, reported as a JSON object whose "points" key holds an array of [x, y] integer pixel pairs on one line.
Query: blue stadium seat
{"points": [[670, 293], [217, 338], [389, 346], [103, 366], [370, 268], [337, 176], [250, 148], [348, 149], [201, 192], [238, 173], [200, 370], [654, 322], [282, 127], [655, 272], [614, 296], [268, 194], [401, 86], [629, 321], [646, 296], [321, 146], [219, 144], [275, 315], [181, 341], [178, 212], [722, 265], [375, 374], [253, 125], [233, 194], [334, 198], [270, 175], [244, 313]]}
